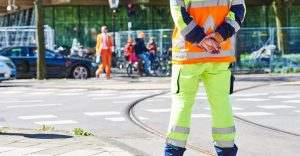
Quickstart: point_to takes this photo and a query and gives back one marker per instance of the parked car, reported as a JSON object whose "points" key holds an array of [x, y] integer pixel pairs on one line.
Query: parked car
{"points": [[58, 66], [7, 69]]}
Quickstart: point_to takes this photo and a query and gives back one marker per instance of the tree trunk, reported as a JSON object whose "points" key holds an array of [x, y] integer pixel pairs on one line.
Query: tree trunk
{"points": [[41, 50], [281, 8]]}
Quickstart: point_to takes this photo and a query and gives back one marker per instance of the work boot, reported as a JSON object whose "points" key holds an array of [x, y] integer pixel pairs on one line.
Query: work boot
{"points": [[171, 150], [226, 151]]}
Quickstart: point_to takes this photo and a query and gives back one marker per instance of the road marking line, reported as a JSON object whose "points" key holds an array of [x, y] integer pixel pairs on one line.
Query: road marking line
{"points": [[297, 111], [102, 98], [292, 101], [276, 106], [21, 151], [96, 95], [56, 122], [69, 94], [254, 114], [37, 117], [155, 100], [117, 119], [249, 95], [201, 116], [253, 99], [101, 113], [143, 118], [81, 153], [131, 96], [159, 110], [117, 102], [12, 92], [40, 93], [73, 90], [22, 101], [285, 96], [233, 108], [29, 106]]}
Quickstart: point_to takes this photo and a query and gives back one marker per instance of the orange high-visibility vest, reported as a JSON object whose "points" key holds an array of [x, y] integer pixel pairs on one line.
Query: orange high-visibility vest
{"points": [[209, 15]]}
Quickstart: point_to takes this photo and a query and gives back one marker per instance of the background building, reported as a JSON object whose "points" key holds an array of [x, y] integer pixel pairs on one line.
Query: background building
{"points": [[82, 19]]}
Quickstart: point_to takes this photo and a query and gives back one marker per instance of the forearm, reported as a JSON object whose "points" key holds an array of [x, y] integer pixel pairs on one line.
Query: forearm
{"points": [[234, 19]]}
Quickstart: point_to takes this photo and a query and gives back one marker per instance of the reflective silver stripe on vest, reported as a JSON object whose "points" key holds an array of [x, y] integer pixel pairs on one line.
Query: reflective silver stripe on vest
{"points": [[208, 3], [199, 55], [234, 24], [188, 28], [223, 130], [175, 142], [209, 23], [179, 43], [224, 144], [181, 129], [177, 3], [237, 2]]}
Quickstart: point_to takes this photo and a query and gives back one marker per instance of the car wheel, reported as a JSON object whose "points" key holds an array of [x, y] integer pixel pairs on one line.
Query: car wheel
{"points": [[80, 72]]}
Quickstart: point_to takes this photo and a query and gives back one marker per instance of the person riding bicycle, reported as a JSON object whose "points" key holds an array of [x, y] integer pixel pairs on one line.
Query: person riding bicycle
{"points": [[129, 50], [141, 51], [152, 47]]}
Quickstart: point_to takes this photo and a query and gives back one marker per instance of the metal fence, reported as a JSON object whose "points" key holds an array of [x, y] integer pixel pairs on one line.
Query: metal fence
{"points": [[24, 36], [257, 48]]}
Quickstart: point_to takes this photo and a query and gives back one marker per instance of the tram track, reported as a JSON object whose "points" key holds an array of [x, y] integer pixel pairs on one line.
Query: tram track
{"points": [[129, 113]]}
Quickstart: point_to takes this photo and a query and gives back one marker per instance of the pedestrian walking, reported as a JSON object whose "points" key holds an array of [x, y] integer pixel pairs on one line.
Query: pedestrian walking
{"points": [[103, 49], [152, 47], [203, 48], [141, 51]]}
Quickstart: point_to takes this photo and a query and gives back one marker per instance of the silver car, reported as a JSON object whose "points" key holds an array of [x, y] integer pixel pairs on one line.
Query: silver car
{"points": [[7, 69]]}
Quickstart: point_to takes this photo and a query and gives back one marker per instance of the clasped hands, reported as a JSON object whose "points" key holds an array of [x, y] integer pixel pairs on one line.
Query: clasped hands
{"points": [[212, 43]]}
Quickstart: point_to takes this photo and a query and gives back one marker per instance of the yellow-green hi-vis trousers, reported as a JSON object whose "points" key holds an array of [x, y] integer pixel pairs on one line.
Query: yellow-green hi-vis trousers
{"points": [[184, 87]]}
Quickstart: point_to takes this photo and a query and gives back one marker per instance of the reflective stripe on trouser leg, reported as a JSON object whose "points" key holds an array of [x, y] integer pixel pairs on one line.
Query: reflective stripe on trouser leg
{"points": [[184, 86], [217, 85]]}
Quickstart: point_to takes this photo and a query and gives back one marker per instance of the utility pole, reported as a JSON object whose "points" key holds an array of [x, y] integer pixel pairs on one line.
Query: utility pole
{"points": [[41, 50]]}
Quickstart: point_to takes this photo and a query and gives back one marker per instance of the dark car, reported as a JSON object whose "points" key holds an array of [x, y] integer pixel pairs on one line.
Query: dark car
{"points": [[58, 66]]}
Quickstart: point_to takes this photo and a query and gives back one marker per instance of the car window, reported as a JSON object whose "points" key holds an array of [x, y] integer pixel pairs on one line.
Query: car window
{"points": [[33, 53], [15, 52]]}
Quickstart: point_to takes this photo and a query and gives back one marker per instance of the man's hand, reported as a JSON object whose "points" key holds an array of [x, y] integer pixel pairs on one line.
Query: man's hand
{"points": [[210, 45], [216, 36]]}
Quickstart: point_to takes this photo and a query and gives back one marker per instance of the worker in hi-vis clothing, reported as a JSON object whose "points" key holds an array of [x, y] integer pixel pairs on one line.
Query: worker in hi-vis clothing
{"points": [[203, 48]]}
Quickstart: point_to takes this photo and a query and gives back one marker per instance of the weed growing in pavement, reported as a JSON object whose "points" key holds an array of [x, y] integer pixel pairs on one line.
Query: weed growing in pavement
{"points": [[79, 131], [46, 128]]}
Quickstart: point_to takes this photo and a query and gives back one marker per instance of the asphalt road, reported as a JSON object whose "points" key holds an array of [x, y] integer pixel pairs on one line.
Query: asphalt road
{"points": [[102, 112]]}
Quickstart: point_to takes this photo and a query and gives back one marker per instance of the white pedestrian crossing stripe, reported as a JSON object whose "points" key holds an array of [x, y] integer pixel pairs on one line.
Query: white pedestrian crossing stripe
{"points": [[120, 102], [69, 94], [254, 114], [21, 101], [40, 93], [201, 116], [297, 111], [249, 94], [159, 110], [37, 117], [233, 108], [253, 99], [275, 106], [102, 113], [56, 122], [101, 95], [117, 119], [292, 101], [285, 96], [33, 105]]}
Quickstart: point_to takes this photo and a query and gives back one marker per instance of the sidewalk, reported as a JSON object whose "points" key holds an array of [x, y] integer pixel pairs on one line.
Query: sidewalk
{"points": [[19, 142]]}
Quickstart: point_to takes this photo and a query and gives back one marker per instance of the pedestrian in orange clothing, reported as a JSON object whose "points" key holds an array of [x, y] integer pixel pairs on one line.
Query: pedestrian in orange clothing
{"points": [[103, 48]]}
